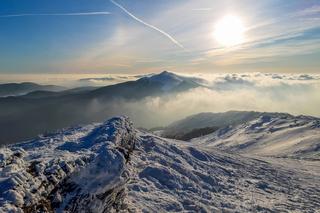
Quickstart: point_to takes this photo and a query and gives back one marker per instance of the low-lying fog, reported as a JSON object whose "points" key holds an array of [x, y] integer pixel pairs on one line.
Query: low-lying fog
{"points": [[291, 93], [295, 94]]}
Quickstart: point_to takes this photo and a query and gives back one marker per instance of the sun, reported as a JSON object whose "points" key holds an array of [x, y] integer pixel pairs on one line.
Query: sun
{"points": [[229, 31]]}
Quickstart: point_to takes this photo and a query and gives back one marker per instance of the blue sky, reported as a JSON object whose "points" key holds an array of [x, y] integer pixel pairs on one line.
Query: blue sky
{"points": [[95, 36]]}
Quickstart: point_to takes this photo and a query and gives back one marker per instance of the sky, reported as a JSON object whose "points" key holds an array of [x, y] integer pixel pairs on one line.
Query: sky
{"points": [[143, 36]]}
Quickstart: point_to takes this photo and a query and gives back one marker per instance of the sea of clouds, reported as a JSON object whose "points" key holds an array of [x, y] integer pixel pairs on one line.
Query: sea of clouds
{"points": [[271, 92], [292, 93]]}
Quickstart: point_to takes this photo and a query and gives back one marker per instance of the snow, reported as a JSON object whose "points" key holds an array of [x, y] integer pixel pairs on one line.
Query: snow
{"points": [[273, 135], [84, 162], [112, 167], [175, 176]]}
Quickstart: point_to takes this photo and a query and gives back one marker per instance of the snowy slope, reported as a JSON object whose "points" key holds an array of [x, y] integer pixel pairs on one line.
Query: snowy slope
{"points": [[113, 167], [80, 169], [208, 119], [176, 176], [278, 135]]}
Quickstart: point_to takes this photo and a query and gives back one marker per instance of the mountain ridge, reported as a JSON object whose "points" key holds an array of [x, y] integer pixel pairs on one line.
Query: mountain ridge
{"points": [[42, 112], [269, 135], [112, 167], [210, 119], [15, 89]]}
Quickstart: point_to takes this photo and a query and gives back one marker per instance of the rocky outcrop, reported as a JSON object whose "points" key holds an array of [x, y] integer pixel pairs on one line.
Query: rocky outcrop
{"points": [[76, 170]]}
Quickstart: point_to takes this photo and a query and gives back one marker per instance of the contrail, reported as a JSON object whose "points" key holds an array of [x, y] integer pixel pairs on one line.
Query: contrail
{"points": [[148, 25], [55, 14]]}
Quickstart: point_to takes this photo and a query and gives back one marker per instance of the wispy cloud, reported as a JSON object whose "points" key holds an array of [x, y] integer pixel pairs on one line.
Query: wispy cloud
{"points": [[285, 35], [273, 38], [202, 9], [310, 11], [55, 14], [148, 25]]}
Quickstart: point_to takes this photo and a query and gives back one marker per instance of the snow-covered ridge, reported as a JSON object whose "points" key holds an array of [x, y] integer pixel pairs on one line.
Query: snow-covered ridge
{"points": [[80, 169], [113, 167], [280, 135]]}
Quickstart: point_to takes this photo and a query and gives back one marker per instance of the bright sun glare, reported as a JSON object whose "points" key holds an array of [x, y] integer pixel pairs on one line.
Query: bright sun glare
{"points": [[229, 31]]}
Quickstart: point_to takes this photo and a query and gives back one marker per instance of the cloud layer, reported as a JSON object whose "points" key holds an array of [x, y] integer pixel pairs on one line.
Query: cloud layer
{"points": [[295, 94]]}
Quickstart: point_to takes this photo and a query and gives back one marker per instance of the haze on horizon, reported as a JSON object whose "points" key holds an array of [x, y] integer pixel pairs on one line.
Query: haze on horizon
{"points": [[121, 36]]}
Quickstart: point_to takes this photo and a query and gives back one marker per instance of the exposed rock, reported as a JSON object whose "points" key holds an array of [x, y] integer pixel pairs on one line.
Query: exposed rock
{"points": [[72, 171]]}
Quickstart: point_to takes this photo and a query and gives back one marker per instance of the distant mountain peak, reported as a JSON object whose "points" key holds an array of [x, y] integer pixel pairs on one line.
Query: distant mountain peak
{"points": [[171, 81], [167, 80], [165, 72], [166, 75]]}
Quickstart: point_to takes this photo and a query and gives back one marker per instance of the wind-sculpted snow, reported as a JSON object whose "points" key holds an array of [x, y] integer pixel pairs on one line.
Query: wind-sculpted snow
{"points": [[280, 135], [175, 176], [112, 167], [78, 170]]}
